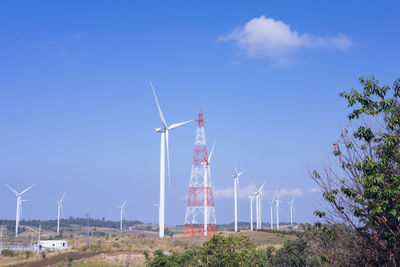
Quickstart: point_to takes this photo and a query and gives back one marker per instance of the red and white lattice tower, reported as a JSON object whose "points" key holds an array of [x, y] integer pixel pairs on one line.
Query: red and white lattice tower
{"points": [[200, 220]]}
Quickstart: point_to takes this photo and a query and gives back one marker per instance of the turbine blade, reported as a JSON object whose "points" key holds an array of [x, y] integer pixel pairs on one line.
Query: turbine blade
{"points": [[123, 211], [27, 189], [167, 144], [240, 173], [124, 203], [176, 125], [63, 197], [9, 187], [158, 105], [209, 156], [262, 187], [236, 169]]}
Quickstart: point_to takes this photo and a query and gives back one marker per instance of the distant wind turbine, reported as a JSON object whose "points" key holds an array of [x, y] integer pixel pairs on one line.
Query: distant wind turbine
{"points": [[271, 213], [19, 206], [291, 211], [60, 207], [235, 187], [122, 212], [164, 131], [277, 202], [259, 195], [206, 185], [251, 198]]}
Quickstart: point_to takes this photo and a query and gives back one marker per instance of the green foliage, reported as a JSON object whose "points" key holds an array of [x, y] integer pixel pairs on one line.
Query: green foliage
{"points": [[28, 254], [7, 253], [233, 250], [293, 253], [369, 157]]}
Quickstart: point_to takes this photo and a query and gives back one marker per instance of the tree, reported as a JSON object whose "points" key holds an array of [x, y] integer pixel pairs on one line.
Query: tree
{"points": [[363, 188]]}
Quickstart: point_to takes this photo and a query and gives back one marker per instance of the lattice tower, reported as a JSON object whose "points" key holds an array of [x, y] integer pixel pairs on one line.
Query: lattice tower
{"points": [[200, 220]]}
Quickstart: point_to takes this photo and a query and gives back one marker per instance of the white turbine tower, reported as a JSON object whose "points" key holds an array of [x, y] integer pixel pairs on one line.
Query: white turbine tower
{"points": [[291, 211], [255, 194], [235, 187], [277, 201], [164, 141], [259, 195], [122, 213], [271, 203], [60, 207], [251, 197], [206, 184], [19, 206]]}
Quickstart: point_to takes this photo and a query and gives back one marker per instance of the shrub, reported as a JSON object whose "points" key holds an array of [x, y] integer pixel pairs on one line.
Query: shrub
{"points": [[7, 253]]}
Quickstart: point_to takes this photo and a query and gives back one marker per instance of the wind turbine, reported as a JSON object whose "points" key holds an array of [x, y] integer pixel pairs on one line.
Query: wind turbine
{"points": [[60, 207], [277, 201], [271, 213], [19, 206], [255, 194], [164, 141], [235, 186], [206, 186], [259, 195], [122, 213], [291, 211], [251, 197]]}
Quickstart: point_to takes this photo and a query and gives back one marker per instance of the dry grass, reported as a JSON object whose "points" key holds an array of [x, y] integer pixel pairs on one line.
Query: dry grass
{"points": [[127, 250]]}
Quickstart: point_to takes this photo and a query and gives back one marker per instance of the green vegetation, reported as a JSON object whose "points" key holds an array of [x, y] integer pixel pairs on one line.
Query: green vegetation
{"points": [[363, 190], [7, 253]]}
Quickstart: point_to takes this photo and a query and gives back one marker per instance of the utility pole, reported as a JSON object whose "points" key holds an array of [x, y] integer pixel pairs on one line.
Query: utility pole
{"points": [[87, 230]]}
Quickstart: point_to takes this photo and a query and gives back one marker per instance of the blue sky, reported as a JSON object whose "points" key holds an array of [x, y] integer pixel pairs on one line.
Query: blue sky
{"points": [[78, 115]]}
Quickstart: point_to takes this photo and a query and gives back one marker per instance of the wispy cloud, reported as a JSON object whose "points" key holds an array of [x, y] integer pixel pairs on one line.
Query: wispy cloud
{"points": [[228, 192], [291, 192], [250, 189], [273, 39], [314, 190]]}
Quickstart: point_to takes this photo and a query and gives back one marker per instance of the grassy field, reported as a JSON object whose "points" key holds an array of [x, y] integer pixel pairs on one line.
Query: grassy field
{"points": [[125, 250]]}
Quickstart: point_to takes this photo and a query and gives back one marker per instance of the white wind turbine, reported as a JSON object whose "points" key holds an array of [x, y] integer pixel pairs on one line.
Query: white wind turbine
{"points": [[251, 197], [255, 194], [291, 211], [235, 187], [122, 212], [164, 141], [19, 206], [206, 184], [271, 213], [259, 195], [60, 207], [277, 202]]}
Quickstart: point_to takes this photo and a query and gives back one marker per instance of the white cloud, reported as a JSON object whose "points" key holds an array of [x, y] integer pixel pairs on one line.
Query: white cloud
{"points": [[291, 193], [267, 37], [228, 192], [250, 189], [314, 190]]}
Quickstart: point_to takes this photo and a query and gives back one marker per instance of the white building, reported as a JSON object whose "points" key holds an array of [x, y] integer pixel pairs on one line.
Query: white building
{"points": [[53, 245]]}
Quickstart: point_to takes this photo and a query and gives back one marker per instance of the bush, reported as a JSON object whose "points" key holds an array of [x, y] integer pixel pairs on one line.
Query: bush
{"points": [[7, 253]]}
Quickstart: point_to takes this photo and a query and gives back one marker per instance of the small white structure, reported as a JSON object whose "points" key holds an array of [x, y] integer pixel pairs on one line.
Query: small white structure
{"points": [[53, 245]]}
